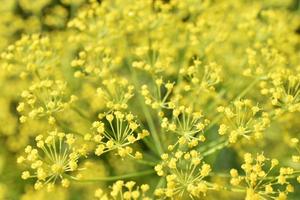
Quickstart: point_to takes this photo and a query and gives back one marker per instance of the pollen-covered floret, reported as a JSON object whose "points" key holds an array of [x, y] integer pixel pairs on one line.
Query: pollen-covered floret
{"points": [[185, 174], [117, 131], [122, 190], [243, 119], [52, 160]]}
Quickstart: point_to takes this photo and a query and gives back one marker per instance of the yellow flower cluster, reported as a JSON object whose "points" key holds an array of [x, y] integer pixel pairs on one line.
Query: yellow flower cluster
{"points": [[189, 126], [116, 92], [284, 91], [185, 174], [44, 98], [120, 131], [121, 190], [159, 98], [32, 55], [243, 119], [257, 181], [144, 98], [51, 161]]}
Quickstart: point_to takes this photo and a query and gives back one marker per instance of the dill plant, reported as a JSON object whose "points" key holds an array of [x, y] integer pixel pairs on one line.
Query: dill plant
{"points": [[149, 99]]}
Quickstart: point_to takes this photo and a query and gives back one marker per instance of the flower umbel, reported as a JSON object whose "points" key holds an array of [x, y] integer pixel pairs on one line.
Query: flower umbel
{"points": [[185, 174], [53, 159], [242, 118], [117, 131]]}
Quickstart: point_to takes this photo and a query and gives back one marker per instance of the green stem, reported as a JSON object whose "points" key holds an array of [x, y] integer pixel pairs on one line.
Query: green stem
{"points": [[81, 114], [216, 148], [66, 129], [115, 178], [148, 116], [248, 88], [146, 162]]}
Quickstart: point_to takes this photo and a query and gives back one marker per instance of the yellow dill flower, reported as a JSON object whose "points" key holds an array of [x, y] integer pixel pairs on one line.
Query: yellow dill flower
{"points": [[121, 190], [257, 181], [44, 99], [188, 125], [53, 159], [160, 97], [185, 174], [182, 58], [116, 92], [200, 77], [117, 131], [284, 90], [243, 119], [31, 56]]}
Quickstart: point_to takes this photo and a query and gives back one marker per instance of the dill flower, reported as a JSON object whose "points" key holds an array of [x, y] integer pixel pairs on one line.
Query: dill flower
{"points": [[188, 125], [31, 56], [117, 131], [44, 99], [262, 60], [243, 119], [116, 92], [257, 181], [185, 174], [160, 97], [53, 159], [284, 90], [122, 190], [94, 60], [158, 65], [201, 77]]}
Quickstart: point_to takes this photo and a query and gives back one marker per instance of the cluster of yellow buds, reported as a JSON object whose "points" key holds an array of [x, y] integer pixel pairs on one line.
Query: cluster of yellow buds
{"points": [[117, 131], [44, 99], [197, 80], [188, 125], [52, 160], [257, 182], [185, 174], [160, 97], [200, 77], [116, 92], [32, 55], [121, 190], [263, 58], [242, 118], [153, 69], [94, 61], [284, 90]]}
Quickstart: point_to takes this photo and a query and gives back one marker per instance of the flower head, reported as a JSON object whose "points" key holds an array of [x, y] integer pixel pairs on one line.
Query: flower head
{"points": [[44, 99], [185, 174], [117, 131], [257, 181], [121, 190], [189, 126], [243, 119], [53, 159]]}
